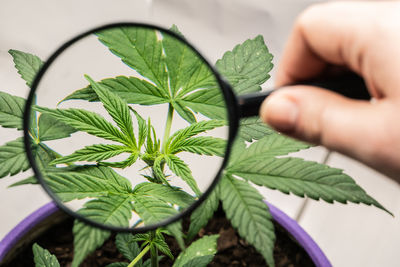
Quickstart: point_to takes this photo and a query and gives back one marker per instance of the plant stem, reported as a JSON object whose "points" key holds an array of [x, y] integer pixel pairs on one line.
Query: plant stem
{"points": [[138, 257], [153, 251], [168, 125]]}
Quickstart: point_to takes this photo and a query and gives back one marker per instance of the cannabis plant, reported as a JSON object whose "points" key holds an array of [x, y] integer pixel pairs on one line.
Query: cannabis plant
{"points": [[172, 76]]}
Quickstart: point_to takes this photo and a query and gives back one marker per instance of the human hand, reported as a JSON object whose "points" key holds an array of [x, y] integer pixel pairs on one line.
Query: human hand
{"points": [[360, 36]]}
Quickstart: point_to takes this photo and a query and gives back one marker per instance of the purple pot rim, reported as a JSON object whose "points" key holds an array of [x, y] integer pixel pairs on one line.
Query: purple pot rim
{"points": [[285, 221], [304, 239], [24, 227]]}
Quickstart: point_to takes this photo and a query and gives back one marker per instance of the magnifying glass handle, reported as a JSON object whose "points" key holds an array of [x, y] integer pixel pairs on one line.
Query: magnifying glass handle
{"points": [[349, 85]]}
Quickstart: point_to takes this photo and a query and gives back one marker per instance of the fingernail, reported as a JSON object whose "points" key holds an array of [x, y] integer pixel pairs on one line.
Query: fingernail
{"points": [[280, 112]]}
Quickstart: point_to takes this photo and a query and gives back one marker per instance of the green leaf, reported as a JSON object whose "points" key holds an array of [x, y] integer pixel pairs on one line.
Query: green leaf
{"points": [[182, 135], [158, 170], [122, 164], [43, 258], [253, 128], [182, 170], [142, 128], [186, 69], [202, 145], [86, 240], [164, 193], [184, 112], [29, 180], [140, 49], [250, 60], [117, 108], [200, 217], [141, 237], [94, 153], [271, 145], [162, 246], [111, 210], [28, 65], [300, 177], [210, 102], [44, 155], [202, 261], [124, 244], [86, 121], [11, 111], [204, 246], [151, 210], [13, 158], [52, 129], [86, 181], [131, 89], [244, 207]]}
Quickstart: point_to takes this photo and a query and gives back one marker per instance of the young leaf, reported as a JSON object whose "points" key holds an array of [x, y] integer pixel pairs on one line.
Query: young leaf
{"points": [[122, 164], [11, 111], [271, 145], [205, 246], [202, 145], [124, 244], [203, 213], [52, 129], [180, 168], [27, 65], [182, 135], [300, 177], [86, 239], [43, 258], [86, 181], [157, 169], [251, 60], [162, 247], [247, 212], [131, 89], [117, 108], [94, 153], [140, 49], [253, 128], [164, 193], [86, 121], [13, 158], [142, 128]]}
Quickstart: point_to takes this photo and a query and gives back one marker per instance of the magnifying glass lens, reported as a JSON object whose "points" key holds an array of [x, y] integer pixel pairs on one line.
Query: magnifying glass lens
{"points": [[128, 127]]}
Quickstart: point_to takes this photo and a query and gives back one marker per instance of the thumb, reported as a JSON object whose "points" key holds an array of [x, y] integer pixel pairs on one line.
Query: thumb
{"points": [[323, 117]]}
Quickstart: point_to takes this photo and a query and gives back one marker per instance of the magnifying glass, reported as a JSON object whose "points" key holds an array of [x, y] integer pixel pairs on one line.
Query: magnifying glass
{"points": [[128, 127]]}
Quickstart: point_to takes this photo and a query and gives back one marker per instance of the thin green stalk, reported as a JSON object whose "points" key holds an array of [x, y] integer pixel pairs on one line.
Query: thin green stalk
{"points": [[138, 257], [168, 125], [153, 251]]}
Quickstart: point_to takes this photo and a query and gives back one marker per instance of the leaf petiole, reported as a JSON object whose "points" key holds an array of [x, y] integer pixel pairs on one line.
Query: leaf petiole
{"points": [[139, 256]]}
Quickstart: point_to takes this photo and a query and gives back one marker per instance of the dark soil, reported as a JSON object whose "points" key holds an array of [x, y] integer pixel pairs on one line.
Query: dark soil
{"points": [[232, 250]]}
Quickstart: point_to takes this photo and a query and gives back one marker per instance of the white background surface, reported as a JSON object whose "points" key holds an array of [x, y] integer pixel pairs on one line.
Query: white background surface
{"points": [[352, 235]]}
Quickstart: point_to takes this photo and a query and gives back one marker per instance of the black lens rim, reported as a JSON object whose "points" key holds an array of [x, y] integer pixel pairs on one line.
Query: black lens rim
{"points": [[233, 116]]}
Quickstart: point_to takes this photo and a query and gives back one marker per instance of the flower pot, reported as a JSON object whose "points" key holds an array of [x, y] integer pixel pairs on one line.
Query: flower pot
{"points": [[40, 220]]}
